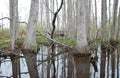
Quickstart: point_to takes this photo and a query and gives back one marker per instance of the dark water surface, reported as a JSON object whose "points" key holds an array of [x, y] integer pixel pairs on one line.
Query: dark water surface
{"points": [[67, 65]]}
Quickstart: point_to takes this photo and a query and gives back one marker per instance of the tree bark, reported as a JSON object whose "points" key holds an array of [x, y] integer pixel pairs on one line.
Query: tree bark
{"points": [[14, 34], [88, 22], [113, 27], [113, 36], [82, 66], [13, 22], [70, 20], [102, 65], [81, 40], [31, 63], [30, 39], [104, 19], [52, 37], [30, 46], [15, 66], [48, 17]]}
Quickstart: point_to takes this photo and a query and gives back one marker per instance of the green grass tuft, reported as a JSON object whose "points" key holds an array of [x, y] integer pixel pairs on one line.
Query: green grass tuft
{"points": [[67, 41], [4, 41], [41, 39]]}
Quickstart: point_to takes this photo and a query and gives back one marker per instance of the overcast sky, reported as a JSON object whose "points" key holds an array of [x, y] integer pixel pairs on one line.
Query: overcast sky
{"points": [[23, 8]]}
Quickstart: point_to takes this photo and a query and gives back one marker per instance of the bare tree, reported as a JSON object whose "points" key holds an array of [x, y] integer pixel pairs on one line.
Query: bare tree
{"points": [[47, 5], [30, 39], [30, 46], [118, 55], [81, 40], [104, 19], [103, 25], [48, 16], [119, 24], [13, 5], [113, 36], [13, 21], [113, 27], [70, 20], [88, 22], [52, 37]]}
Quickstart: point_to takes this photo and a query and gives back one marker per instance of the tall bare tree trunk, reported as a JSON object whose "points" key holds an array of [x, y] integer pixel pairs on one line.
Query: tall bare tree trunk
{"points": [[103, 25], [88, 22], [13, 21], [96, 14], [81, 41], [118, 30], [14, 35], [30, 46], [48, 30], [113, 36], [113, 27], [30, 39], [48, 16], [52, 37], [70, 20], [104, 19], [64, 18], [118, 36]]}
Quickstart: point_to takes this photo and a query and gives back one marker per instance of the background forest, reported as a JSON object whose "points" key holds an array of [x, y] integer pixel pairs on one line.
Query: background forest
{"points": [[74, 26]]}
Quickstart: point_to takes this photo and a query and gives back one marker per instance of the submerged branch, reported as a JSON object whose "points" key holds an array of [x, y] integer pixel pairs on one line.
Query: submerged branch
{"points": [[50, 58]]}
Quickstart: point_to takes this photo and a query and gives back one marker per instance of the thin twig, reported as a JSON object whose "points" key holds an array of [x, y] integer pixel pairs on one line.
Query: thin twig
{"points": [[5, 18], [10, 19]]}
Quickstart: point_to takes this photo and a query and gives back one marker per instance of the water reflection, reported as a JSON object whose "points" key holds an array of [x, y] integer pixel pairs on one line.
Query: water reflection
{"points": [[82, 66], [67, 65]]}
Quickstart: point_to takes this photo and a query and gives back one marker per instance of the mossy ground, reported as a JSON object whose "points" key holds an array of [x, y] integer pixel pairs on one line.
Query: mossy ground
{"points": [[4, 41], [40, 39]]}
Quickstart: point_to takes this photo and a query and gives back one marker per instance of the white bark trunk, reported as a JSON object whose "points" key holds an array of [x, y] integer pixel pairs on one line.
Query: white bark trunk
{"points": [[81, 24], [30, 39], [48, 17], [113, 28], [119, 24], [70, 20], [104, 19], [13, 21], [88, 12]]}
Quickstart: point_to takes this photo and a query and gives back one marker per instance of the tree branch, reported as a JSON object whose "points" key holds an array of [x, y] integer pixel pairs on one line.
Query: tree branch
{"points": [[17, 21], [5, 18], [50, 58], [57, 41], [54, 19]]}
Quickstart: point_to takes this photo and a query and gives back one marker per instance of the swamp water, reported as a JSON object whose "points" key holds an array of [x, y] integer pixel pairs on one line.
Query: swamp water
{"points": [[67, 65]]}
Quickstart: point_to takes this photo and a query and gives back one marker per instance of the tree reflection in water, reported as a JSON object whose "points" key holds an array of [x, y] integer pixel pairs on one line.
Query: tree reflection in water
{"points": [[67, 65]]}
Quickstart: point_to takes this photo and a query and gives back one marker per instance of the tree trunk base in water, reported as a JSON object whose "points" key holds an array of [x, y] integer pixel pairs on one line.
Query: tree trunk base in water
{"points": [[81, 54], [85, 51], [15, 66], [82, 66], [30, 57], [109, 46]]}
